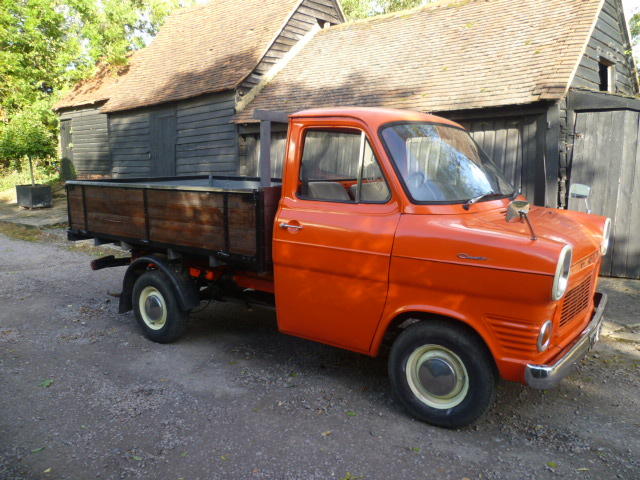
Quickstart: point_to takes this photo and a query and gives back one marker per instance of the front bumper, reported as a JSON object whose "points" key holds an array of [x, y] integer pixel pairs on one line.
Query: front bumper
{"points": [[548, 376]]}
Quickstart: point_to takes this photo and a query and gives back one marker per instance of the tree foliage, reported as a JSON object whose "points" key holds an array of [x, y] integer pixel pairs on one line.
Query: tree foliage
{"points": [[355, 9], [46, 46], [28, 134]]}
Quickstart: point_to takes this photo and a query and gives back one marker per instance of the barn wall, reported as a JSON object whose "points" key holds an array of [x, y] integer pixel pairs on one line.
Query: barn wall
{"points": [[304, 18], [249, 152], [608, 41], [87, 141], [129, 139], [521, 143], [207, 140]]}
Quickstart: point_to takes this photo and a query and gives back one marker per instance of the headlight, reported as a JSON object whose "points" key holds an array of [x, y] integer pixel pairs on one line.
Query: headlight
{"points": [[606, 233], [544, 337], [561, 279]]}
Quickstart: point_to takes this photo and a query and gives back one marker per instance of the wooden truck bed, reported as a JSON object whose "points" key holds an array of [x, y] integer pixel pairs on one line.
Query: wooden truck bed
{"points": [[227, 218]]}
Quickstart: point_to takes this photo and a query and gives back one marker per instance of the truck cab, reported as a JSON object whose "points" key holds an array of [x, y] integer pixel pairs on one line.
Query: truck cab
{"points": [[395, 233]]}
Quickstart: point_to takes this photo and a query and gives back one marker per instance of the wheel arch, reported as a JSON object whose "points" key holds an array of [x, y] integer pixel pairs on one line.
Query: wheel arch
{"points": [[185, 287], [403, 319]]}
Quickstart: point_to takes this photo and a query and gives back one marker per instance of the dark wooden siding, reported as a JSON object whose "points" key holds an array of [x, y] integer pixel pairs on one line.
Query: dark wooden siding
{"points": [[130, 144], [609, 41], [206, 141], [606, 156], [516, 145], [87, 141], [249, 154], [307, 15]]}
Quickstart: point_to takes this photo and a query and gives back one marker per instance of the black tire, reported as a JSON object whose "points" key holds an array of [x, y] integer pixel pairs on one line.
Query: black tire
{"points": [[172, 322], [455, 365]]}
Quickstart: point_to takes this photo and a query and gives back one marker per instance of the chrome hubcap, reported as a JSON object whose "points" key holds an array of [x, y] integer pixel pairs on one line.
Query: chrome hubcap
{"points": [[437, 376], [153, 308]]}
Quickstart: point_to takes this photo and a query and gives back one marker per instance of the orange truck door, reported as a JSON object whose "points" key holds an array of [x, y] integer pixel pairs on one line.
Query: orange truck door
{"points": [[333, 239]]}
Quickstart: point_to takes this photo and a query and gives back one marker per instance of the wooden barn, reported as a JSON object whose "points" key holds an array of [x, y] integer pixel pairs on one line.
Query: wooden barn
{"points": [[545, 86], [170, 111]]}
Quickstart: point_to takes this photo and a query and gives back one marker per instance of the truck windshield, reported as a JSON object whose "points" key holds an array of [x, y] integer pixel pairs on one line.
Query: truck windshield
{"points": [[442, 164]]}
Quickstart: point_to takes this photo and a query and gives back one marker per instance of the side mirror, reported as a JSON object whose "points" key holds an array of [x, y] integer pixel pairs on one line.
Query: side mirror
{"points": [[579, 190], [520, 209], [517, 209]]}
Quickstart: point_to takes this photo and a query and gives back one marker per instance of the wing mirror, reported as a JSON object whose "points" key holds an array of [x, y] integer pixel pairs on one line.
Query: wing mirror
{"points": [[579, 190], [520, 209]]}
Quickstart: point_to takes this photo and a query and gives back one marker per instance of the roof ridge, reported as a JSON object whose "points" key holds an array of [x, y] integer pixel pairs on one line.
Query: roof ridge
{"points": [[403, 13]]}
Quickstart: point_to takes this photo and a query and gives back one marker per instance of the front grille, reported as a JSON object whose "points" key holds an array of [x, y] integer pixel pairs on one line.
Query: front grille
{"points": [[576, 301]]}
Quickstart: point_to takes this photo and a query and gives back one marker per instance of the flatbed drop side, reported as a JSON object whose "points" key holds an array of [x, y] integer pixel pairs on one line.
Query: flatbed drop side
{"points": [[389, 227]]}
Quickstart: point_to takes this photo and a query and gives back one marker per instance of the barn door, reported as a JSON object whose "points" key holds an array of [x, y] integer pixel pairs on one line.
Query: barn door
{"points": [[163, 142], [606, 156], [66, 147]]}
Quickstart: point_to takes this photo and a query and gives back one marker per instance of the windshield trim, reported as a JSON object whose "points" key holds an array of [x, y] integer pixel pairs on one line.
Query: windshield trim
{"points": [[399, 176]]}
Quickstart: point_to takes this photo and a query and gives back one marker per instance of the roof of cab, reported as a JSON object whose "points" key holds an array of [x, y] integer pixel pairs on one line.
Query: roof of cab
{"points": [[374, 115]]}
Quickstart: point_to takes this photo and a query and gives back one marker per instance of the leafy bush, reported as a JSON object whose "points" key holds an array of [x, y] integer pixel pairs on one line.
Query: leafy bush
{"points": [[29, 133]]}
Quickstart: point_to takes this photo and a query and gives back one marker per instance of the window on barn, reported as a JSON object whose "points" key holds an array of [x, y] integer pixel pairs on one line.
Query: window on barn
{"points": [[607, 73]]}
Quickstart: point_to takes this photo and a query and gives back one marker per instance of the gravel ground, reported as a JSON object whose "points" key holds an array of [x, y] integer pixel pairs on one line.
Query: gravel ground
{"points": [[83, 395]]}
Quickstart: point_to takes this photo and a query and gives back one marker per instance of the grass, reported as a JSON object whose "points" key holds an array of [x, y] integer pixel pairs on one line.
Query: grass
{"points": [[31, 234], [19, 232], [11, 178]]}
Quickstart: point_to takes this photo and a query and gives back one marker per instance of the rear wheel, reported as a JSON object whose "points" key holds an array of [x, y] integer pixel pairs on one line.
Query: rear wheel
{"points": [[156, 307], [442, 374]]}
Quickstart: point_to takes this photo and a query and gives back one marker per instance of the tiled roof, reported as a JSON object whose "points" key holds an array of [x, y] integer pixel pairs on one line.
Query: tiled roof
{"points": [[202, 49], [95, 89], [448, 56]]}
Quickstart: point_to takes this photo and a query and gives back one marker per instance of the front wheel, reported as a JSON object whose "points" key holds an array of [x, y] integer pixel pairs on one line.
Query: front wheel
{"points": [[157, 309], [442, 374]]}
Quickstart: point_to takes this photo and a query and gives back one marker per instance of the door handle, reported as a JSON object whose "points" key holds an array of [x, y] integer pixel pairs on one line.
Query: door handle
{"points": [[288, 225]]}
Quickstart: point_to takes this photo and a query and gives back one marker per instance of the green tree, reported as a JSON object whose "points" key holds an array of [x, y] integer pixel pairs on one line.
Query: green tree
{"points": [[27, 135], [46, 46], [355, 9]]}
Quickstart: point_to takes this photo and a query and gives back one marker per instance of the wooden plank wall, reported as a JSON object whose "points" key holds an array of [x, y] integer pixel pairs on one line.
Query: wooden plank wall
{"points": [[304, 18], [130, 144], [608, 41], [516, 145], [606, 156], [207, 140], [175, 217], [89, 141], [249, 153]]}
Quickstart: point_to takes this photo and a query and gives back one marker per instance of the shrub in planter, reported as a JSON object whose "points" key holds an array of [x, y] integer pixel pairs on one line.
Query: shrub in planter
{"points": [[26, 137]]}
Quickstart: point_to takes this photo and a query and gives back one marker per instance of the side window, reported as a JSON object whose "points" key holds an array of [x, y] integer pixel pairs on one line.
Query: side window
{"points": [[339, 166]]}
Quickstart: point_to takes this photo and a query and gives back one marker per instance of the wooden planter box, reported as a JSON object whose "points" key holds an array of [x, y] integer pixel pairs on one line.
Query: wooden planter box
{"points": [[34, 196]]}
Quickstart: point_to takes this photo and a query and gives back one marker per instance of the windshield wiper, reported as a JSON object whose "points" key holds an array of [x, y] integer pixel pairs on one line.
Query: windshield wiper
{"points": [[473, 200]]}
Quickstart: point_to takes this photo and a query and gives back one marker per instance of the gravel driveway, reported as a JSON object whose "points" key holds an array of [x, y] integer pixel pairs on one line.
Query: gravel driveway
{"points": [[83, 395]]}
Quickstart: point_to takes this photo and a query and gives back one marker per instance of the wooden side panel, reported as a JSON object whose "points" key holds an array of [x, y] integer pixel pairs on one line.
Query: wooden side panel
{"points": [[75, 206], [608, 42], [271, 198], [115, 211], [242, 224], [194, 219]]}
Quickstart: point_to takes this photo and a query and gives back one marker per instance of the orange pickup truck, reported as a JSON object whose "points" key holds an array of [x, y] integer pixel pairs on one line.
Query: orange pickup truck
{"points": [[389, 228]]}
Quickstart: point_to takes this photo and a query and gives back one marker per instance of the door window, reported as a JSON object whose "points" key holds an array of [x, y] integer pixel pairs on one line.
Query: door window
{"points": [[340, 166]]}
